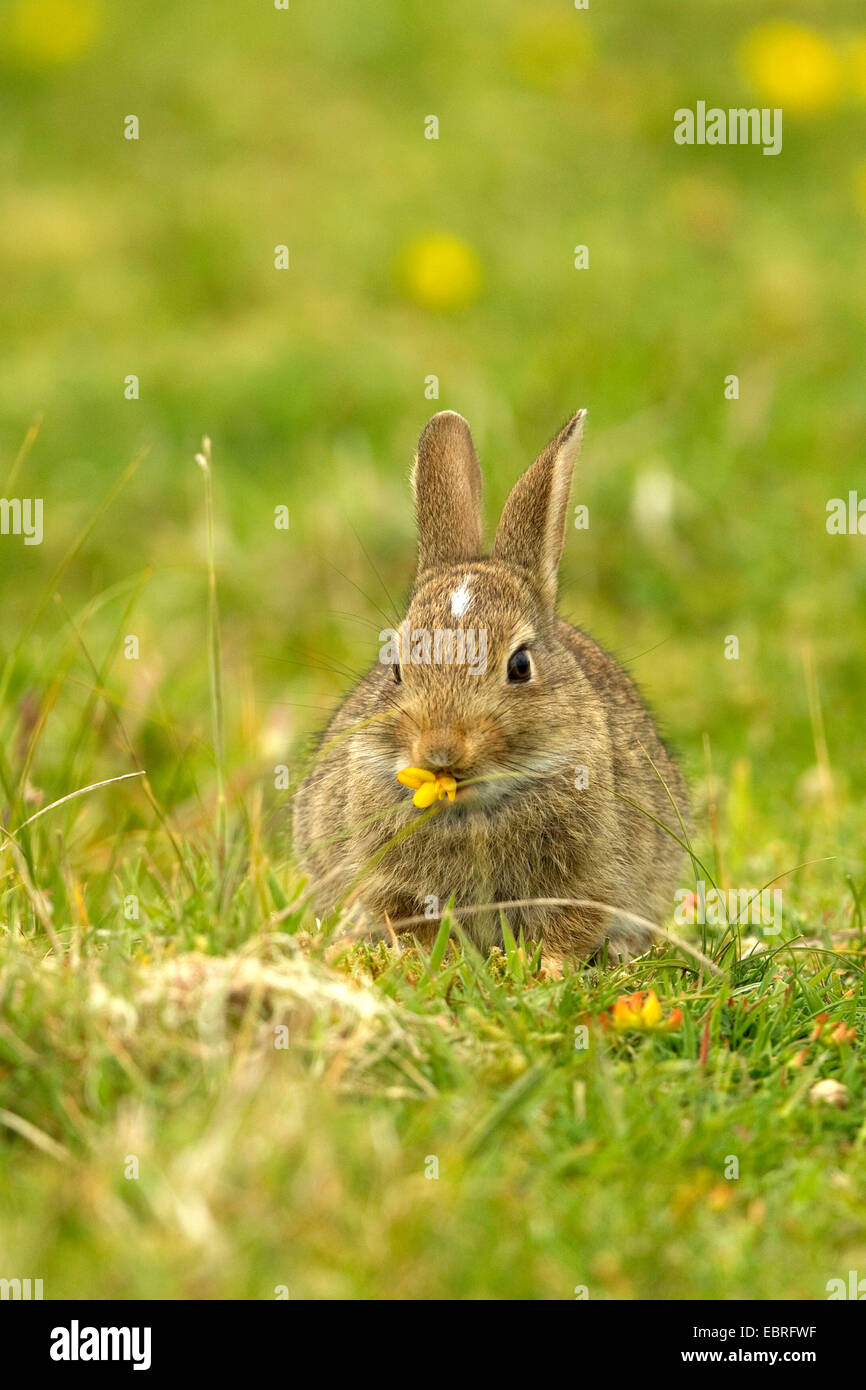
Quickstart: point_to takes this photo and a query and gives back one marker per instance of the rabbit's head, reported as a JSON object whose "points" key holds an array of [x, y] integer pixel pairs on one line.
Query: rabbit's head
{"points": [[478, 685]]}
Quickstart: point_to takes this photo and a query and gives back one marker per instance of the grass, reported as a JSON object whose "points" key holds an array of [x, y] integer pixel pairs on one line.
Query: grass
{"points": [[154, 934], [301, 1158], [206, 1093]]}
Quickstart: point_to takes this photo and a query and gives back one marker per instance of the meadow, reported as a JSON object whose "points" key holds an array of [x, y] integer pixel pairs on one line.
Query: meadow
{"points": [[204, 1092]]}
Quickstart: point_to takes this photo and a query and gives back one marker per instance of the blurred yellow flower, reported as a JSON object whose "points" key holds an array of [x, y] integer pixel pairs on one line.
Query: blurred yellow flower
{"points": [[550, 50], [440, 271], [46, 33], [720, 1196], [855, 56], [643, 1010], [791, 66]]}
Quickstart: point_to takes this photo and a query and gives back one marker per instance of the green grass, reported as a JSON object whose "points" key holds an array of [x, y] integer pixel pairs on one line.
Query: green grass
{"points": [[206, 1093], [284, 1098], [154, 1036]]}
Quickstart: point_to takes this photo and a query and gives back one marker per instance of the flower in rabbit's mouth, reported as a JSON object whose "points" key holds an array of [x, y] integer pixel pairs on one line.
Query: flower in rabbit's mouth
{"points": [[429, 786]]}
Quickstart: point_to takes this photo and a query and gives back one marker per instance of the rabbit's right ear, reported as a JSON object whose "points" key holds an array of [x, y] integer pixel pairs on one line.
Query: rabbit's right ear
{"points": [[446, 480], [531, 529]]}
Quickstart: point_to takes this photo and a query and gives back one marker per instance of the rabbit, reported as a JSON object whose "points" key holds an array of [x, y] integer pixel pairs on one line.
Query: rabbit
{"points": [[545, 782]]}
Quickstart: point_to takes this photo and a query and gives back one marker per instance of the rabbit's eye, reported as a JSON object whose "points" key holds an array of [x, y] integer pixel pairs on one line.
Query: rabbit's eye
{"points": [[519, 666], [397, 677]]}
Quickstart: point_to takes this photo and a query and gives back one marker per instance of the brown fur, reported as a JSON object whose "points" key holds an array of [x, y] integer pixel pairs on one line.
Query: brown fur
{"points": [[526, 831]]}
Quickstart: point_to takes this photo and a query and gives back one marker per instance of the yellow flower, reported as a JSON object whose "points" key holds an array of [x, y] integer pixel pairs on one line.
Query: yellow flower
{"points": [[791, 66], [549, 51], [46, 33], [431, 786], [643, 1010], [855, 56], [440, 271]]}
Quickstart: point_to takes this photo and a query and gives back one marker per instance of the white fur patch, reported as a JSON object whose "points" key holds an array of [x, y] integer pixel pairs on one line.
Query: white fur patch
{"points": [[460, 599]]}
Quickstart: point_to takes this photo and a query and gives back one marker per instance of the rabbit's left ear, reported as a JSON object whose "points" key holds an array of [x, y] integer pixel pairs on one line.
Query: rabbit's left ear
{"points": [[531, 529]]}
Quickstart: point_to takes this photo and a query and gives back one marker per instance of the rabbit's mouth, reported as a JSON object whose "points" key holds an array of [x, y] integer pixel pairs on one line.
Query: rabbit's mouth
{"points": [[479, 789], [446, 787], [499, 787], [488, 791]]}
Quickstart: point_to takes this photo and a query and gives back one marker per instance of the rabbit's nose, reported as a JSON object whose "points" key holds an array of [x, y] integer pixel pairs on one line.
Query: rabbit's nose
{"points": [[439, 752], [441, 757]]}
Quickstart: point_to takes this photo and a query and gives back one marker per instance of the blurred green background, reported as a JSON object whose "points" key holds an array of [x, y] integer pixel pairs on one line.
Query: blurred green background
{"points": [[453, 258]]}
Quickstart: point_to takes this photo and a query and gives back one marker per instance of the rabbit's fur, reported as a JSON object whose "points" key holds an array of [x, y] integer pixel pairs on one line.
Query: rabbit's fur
{"points": [[527, 828]]}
